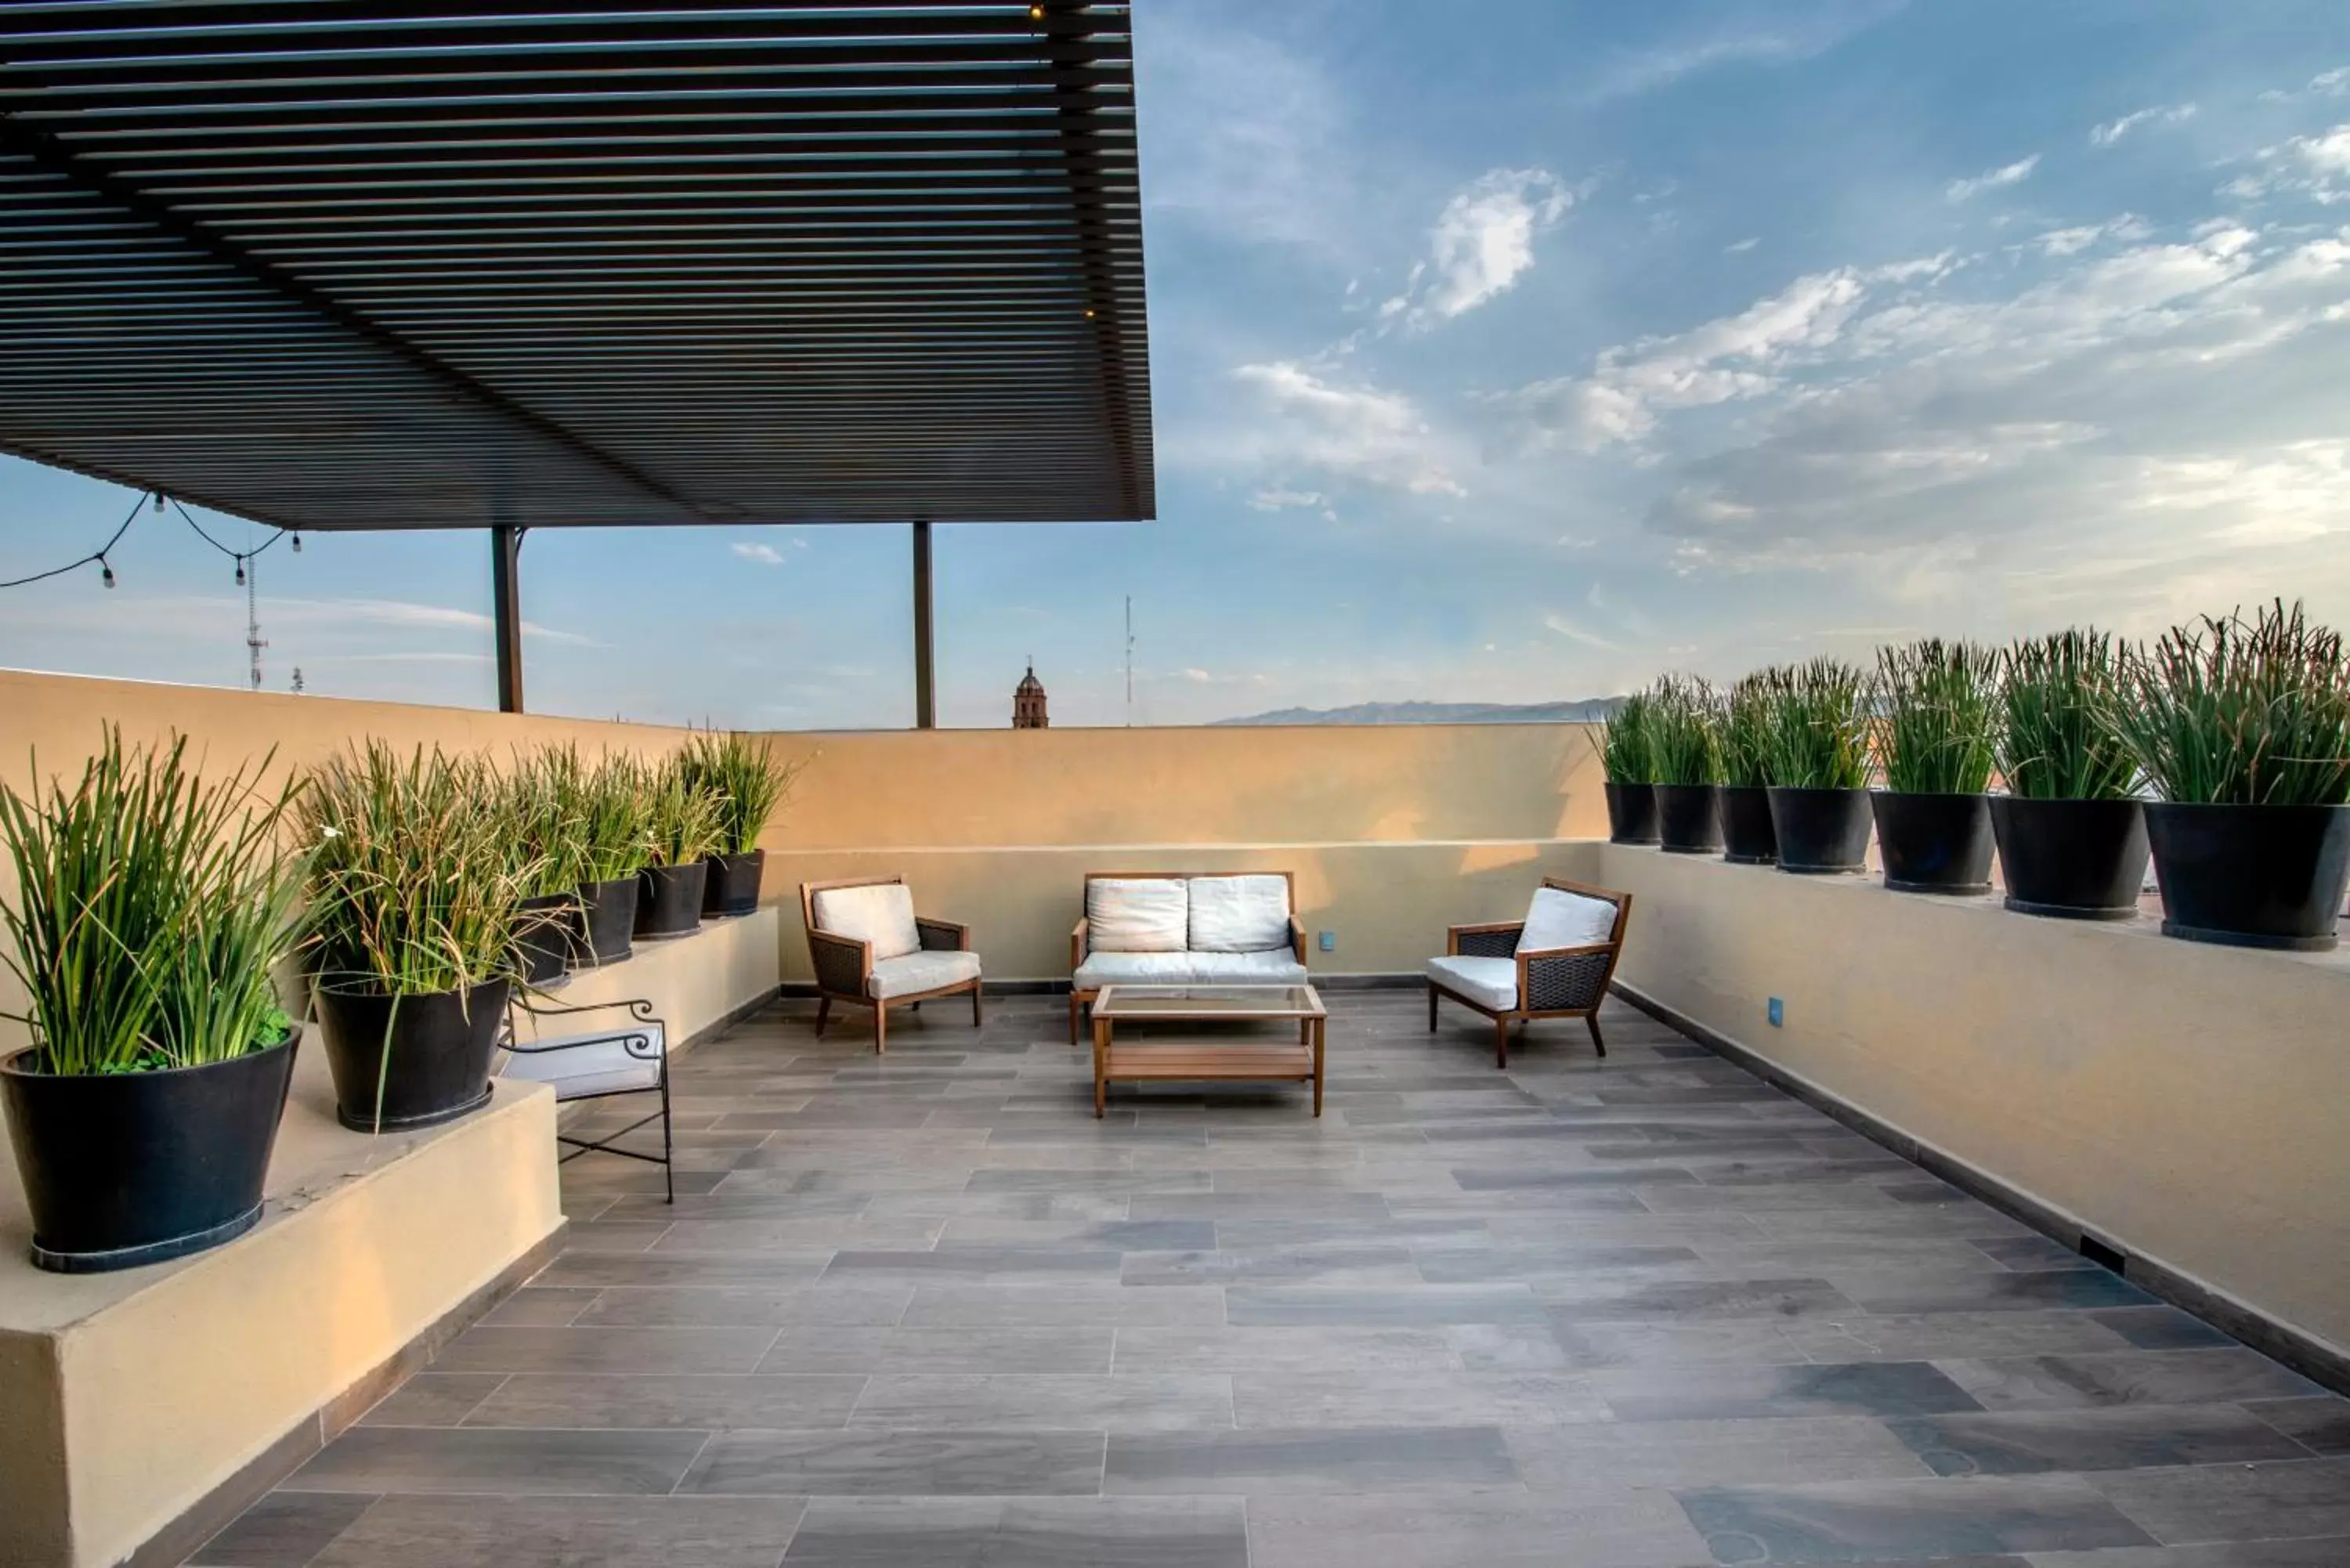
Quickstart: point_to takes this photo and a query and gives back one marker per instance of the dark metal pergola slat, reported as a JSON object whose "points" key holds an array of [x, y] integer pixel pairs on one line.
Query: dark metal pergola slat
{"points": [[423, 264], [536, 262]]}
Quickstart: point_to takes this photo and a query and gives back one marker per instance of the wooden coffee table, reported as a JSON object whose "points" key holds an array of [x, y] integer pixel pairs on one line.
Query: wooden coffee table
{"points": [[1206, 1062]]}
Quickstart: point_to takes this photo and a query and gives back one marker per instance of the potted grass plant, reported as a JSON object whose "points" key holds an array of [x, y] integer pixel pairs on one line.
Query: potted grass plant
{"points": [[1746, 718], [1685, 750], [748, 780], [2244, 729], [2071, 835], [415, 902], [608, 804], [150, 908], [543, 831], [1626, 757], [1818, 760], [683, 828], [1933, 741]]}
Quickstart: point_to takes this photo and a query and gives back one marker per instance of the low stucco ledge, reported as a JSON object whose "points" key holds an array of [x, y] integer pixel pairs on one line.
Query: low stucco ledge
{"points": [[129, 1400]]}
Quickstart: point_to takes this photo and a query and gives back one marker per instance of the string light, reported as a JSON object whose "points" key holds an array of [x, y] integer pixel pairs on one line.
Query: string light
{"points": [[97, 557]]}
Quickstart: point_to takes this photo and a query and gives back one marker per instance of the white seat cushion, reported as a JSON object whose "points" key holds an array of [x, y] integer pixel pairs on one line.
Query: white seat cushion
{"points": [[881, 913], [611, 1063], [1132, 969], [1279, 967], [1137, 915], [1239, 914], [908, 973], [1491, 981], [1558, 918]]}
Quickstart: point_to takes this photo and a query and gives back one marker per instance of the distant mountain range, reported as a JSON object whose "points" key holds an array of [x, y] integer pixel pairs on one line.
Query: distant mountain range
{"points": [[1588, 711]]}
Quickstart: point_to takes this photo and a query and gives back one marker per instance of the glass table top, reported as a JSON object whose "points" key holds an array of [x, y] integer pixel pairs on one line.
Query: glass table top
{"points": [[1208, 1001]]}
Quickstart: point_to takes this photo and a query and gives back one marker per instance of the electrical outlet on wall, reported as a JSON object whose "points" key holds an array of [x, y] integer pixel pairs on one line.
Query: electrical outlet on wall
{"points": [[1329, 943], [1778, 1014]]}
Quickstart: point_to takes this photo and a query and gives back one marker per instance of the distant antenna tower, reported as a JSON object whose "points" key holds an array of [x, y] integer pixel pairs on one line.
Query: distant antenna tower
{"points": [[1129, 662], [253, 639]]}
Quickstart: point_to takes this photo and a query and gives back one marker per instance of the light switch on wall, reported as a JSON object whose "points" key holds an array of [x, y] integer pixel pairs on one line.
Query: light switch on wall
{"points": [[1329, 941]]}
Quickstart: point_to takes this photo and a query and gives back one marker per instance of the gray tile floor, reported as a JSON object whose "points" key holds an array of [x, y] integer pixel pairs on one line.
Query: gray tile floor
{"points": [[1644, 1312]]}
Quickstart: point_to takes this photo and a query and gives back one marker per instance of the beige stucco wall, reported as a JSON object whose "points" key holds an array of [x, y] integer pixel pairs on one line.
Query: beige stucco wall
{"points": [[2183, 1102], [126, 1397], [1394, 831]]}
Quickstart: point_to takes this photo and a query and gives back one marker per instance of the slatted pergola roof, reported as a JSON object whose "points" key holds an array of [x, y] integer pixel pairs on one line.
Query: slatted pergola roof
{"points": [[396, 264]]}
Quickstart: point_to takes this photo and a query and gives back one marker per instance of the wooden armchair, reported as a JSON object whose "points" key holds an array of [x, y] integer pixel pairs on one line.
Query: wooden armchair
{"points": [[870, 949], [1488, 971]]}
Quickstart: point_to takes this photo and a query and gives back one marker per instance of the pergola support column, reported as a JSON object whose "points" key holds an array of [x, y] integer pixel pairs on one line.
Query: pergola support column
{"points": [[926, 715], [506, 598]]}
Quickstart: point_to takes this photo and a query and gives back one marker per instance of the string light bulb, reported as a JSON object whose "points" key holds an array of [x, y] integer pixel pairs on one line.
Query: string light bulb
{"points": [[159, 501], [1036, 13], [240, 571], [298, 544], [105, 572]]}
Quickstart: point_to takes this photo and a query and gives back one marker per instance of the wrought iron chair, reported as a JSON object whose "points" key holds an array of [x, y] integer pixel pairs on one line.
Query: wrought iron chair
{"points": [[633, 1059]]}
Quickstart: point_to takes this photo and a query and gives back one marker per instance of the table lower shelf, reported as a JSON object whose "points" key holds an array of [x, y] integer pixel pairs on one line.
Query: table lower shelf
{"points": [[1207, 1062], [1260, 1061]]}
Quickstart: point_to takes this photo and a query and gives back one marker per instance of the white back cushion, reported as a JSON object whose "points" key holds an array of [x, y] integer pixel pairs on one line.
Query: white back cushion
{"points": [[881, 913], [1137, 915], [1558, 918], [1239, 914]]}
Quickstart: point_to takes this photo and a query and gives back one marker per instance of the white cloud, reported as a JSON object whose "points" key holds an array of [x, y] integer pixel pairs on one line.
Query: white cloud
{"points": [[1574, 632], [766, 554], [1739, 247], [2113, 131], [1248, 136], [1197, 677], [1353, 432], [2013, 173], [1734, 357], [1789, 37], [2315, 166], [1483, 241], [2140, 434]]}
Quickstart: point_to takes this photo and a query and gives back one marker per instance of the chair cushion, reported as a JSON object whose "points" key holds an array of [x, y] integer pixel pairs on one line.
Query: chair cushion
{"points": [[1491, 981], [1239, 914], [1558, 918], [908, 973], [1132, 969], [881, 913], [1137, 915], [1278, 967], [613, 1061]]}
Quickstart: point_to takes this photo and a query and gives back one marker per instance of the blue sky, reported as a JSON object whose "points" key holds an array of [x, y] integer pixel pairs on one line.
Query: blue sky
{"points": [[1514, 362]]}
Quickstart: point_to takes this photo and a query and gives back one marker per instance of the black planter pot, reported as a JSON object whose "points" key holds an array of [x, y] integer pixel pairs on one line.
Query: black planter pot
{"points": [[2251, 876], [1820, 831], [1933, 843], [440, 1043], [1747, 838], [136, 1168], [731, 886], [1689, 818], [611, 911], [1631, 814], [2074, 859], [553, 928], [669, 900]]}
